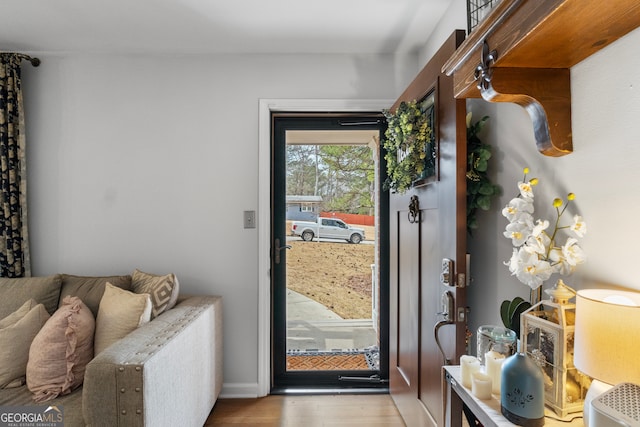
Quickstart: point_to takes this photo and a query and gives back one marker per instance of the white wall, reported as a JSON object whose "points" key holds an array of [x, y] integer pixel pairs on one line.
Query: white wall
{"points": [[455, 18], [149, 163], [602, 171]]}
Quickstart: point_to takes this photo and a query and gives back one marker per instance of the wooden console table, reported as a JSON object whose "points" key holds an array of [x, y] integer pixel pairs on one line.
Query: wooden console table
{"points": [[486, 411]]}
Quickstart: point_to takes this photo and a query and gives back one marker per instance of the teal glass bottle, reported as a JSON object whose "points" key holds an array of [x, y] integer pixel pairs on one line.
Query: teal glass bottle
{"points": [[522, 395]]}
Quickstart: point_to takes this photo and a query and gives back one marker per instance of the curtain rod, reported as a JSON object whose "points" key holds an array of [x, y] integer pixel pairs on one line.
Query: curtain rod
{"points": [[34, 61]]}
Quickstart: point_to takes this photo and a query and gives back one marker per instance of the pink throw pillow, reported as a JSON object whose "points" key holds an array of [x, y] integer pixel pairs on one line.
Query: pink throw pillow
{"points": [[60, 352]]}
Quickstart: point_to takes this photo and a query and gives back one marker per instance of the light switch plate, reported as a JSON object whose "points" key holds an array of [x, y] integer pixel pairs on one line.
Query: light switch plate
{"points": [[249, 219]]}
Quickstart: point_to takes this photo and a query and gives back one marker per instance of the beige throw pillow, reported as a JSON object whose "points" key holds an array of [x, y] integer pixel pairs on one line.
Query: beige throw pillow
{"points": [[12, 318], [91, 288], [162, 289], [120, 312], [60, 352], [17, 331]]}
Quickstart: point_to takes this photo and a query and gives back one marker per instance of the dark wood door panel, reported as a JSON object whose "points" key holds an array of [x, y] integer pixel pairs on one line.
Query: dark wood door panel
{"points": [[404, 328], [431, 359], [408, 307], [418, 252]]}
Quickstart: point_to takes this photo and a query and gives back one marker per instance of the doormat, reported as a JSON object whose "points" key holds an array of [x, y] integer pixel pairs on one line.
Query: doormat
{"points": [[335, 360]]}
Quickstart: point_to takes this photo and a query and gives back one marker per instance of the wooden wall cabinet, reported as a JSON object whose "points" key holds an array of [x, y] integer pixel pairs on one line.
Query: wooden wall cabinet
{"points": [[523, 51]]}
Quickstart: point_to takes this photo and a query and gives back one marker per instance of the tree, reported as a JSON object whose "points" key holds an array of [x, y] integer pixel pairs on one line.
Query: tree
{"points": [[301, 170], [342, 174]]}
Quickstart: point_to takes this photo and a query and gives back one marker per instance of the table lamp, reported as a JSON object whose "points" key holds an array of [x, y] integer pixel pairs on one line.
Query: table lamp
{"points": [[607, 340]]}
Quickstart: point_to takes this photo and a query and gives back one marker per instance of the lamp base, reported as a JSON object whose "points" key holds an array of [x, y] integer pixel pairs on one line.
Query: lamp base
{"points": [[596, 389]]}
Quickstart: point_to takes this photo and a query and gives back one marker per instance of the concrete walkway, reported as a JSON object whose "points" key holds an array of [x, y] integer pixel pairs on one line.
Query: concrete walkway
{"points": [[300, 307], [312, 326]]}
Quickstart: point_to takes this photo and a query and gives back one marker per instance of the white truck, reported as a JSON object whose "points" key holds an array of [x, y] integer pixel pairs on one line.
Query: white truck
{"points": [[329, 228]]}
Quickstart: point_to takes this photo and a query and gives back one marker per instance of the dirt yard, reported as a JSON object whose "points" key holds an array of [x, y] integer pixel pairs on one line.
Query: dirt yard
{"points": [[337, 275]]}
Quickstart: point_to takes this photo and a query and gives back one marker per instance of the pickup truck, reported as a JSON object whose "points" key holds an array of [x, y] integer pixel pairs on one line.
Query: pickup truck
{"points": [[330, 228]]}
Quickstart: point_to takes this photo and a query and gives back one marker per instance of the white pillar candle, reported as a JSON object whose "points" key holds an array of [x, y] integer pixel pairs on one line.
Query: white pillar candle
{"points": [[468, 365], [493, 363], [481, 385]]}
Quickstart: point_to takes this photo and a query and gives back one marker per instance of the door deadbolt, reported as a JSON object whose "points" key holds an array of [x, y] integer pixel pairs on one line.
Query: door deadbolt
{"points": [[446, 276]]}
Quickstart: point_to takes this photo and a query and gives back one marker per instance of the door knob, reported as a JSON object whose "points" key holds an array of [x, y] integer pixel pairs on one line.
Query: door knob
{"points": [[278, 248]]}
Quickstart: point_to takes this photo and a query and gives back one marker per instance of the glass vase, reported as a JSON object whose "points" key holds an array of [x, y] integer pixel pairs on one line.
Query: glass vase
{"points": [[495, 338]]}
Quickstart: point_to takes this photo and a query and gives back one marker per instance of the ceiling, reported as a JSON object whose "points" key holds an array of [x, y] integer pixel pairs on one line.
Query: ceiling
{"points": [[216, 26]]}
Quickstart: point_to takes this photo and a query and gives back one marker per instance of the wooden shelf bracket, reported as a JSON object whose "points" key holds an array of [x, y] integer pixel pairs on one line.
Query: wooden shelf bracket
{"points": [[545, 93], [526, 50]]}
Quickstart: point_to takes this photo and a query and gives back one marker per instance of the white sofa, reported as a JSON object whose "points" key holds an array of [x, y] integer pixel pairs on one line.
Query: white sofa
{"points": [[168, 372]]}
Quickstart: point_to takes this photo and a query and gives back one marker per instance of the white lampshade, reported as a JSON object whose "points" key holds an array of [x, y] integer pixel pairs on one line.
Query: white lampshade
{"points": [[607, 335]]}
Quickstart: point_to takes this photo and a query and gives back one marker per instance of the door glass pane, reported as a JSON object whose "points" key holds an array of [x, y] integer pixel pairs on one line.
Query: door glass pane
{"points": [[331, 295]]}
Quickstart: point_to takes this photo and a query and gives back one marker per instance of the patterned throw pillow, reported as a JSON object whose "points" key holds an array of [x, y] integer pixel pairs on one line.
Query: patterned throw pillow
{"points": [[162, 289]]}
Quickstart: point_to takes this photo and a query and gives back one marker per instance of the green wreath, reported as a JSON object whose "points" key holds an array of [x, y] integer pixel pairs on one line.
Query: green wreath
{"points": [[406, 139]]}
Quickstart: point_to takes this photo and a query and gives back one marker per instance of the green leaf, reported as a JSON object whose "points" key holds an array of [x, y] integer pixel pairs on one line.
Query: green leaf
{"points": [[510, 313], [481, 164], [484, 154], [486, 189], [504, 313], [513, 304], [481, 122], [480, 190], [477, 126], [484, 202], [515, 317]]}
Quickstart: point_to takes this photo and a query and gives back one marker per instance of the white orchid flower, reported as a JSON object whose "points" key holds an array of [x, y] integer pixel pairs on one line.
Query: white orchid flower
{"points": [[579, 227], [535, 256], [539, 227], [531, 270], [537, 245], [526, 190], [516, 208], [572, 253], [566, 259], [557, 261], [518, 232], [514, 262], [538, 241]]}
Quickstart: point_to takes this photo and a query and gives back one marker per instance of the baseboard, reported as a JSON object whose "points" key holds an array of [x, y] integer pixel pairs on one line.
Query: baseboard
{"points": [[239, 390]]}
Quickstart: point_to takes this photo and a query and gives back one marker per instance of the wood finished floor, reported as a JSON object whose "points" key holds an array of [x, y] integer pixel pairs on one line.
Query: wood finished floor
{"points": [[307, 411]]}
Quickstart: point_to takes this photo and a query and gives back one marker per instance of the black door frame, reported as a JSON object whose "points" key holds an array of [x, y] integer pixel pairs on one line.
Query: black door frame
{"points": [[281, 380]]}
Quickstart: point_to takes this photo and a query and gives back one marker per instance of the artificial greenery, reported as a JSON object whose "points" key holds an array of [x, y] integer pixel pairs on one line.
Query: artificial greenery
{"points": [[407, 145], [510, 312], [406, 139], [480, 189]]}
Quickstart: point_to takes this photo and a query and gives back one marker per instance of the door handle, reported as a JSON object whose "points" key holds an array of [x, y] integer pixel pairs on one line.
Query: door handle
{"points": [[448, 306], [277, 249]]}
